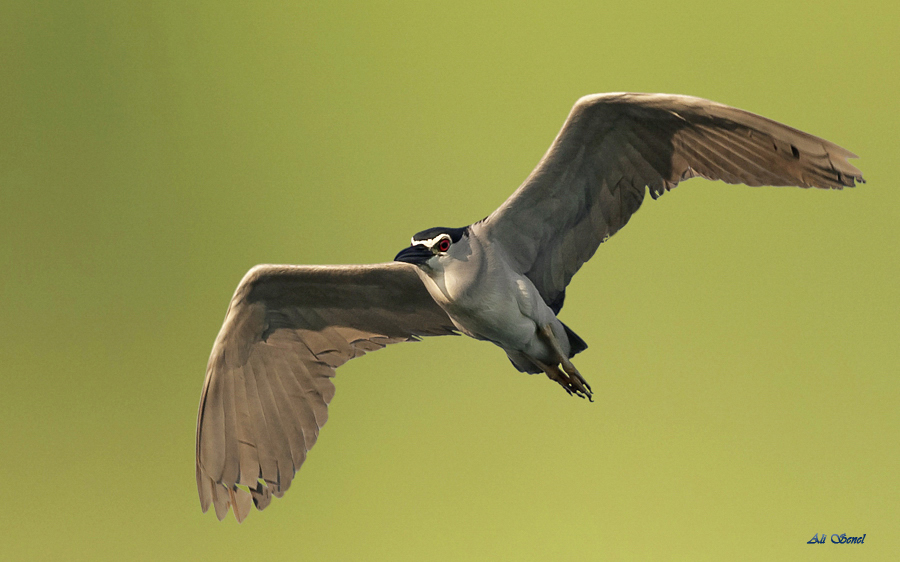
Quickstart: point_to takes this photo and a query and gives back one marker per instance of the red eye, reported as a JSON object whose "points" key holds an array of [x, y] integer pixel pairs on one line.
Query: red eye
{"points": [[443, 245]]}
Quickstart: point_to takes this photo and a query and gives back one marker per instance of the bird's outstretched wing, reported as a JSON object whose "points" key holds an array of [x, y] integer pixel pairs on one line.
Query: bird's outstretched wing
{"points": [[613, 146], [268, 381]]}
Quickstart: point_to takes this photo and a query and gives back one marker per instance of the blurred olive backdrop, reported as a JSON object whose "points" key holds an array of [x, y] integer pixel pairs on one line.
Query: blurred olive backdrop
{"points": [[743, 341]]}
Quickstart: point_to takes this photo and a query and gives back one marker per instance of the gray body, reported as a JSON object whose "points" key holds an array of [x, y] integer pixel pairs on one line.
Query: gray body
{"points": [[487, 299], [502, 279]]}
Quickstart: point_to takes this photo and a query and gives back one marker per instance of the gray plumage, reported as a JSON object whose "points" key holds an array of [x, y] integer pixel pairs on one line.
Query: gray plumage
{"points": [[503, 279], [593, 177]]}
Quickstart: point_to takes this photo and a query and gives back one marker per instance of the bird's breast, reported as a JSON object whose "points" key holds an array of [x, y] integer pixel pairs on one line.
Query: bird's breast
{"points": [[488, 301]]}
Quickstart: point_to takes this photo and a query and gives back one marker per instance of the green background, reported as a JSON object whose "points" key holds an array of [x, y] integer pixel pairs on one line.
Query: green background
{"points": [[743, 341]]}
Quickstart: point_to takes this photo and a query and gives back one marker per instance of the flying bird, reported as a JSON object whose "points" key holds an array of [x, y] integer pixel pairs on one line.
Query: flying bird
{"points": [[502, 279]]}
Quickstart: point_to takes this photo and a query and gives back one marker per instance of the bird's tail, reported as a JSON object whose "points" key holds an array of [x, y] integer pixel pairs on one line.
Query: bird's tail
{"points": [[576, 344]]}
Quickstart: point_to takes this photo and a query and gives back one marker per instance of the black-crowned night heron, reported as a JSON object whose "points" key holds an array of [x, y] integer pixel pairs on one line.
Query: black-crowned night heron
{"points": [[502, 279]]}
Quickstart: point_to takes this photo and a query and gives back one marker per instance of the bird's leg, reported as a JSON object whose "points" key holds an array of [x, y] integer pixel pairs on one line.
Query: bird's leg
{"points": [[554, 374], [570, 384], [573, 375]]}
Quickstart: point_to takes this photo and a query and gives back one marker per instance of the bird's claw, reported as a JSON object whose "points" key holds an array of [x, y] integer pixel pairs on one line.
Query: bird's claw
{"points": [[572, 382], [578, 380]]}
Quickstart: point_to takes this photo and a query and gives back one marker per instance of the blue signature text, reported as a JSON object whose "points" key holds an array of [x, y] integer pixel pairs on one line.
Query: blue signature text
{"points": [[837, 539]]}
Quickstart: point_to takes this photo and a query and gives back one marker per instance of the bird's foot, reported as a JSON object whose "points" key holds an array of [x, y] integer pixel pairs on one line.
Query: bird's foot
{"points": [[569, 378], [575, 384], [576, 377]]}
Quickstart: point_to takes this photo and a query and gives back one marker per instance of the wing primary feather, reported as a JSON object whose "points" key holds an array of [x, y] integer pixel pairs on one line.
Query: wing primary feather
{"points": [[240, 503], [282, 451], [265, 446], [723, 162], [701, 159], [261, 495], [204, 487], [753, 160], [304, 409], [211, 453], [232, 463], [247, 439], [220, 501], [280, 378]]}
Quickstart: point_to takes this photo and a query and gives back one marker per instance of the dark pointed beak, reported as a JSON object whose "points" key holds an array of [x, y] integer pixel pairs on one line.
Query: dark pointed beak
{"points": [[416, 255]]}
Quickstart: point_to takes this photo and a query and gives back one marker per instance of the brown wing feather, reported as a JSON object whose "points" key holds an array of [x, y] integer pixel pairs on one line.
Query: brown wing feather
{"points": [[268, 381], [613, 147]]}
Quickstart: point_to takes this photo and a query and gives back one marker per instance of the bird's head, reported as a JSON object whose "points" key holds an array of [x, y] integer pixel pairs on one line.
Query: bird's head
{"points": [[430, 247]]}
